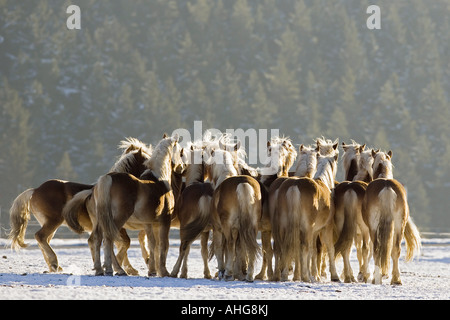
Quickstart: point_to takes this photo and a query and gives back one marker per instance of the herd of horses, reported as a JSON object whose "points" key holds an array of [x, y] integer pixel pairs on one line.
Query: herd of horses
{"points": [[305, 217]]}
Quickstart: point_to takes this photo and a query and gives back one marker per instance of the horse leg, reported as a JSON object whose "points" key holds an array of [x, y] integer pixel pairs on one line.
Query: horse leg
{"points": [[108, 253], [122, 257], [43, 237], [395, 254], [267, 257], [326, 237], [144, 251], [95, 241], [152, 249], [348, 272], [181, 257], [231, 253], [204, 246], [366, 250], [164, 229], [218, 252]]}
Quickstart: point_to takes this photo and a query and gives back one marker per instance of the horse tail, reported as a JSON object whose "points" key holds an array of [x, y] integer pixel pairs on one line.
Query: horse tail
{"points": [[412, 239], [291, 246], [73, 207], [348, 232], [250, 208], [385, 230], [19, 214], [194, 228], [103, 207]]}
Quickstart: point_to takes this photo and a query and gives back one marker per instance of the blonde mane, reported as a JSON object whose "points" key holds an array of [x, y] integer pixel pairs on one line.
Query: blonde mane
{"points": [[326, 170], [307, 162], [127, 160], [326, 146], [382, 165], [160, 163], [282, 156], [221, 166]]}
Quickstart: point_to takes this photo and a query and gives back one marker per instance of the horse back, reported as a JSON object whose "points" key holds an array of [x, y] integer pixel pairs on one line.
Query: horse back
{"points": [[51, 196]]}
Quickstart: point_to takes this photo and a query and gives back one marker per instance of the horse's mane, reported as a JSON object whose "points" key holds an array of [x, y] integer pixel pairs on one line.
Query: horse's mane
{"points": [[127, 160], [365, 170], [382, 165], [221, 166], [304, 164], [350, 159], [159, 163], [326, 146], [326, 170]]}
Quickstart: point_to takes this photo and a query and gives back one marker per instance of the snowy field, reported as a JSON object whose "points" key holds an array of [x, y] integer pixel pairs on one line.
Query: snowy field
{"points": [[23, 275]]}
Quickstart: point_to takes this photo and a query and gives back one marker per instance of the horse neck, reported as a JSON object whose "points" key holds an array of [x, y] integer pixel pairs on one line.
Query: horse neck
{"points": [[326, 174], [305, 168], [363, 175], [383, 172], [351, 169], [161, 166], [221, 172], [194, 174]]}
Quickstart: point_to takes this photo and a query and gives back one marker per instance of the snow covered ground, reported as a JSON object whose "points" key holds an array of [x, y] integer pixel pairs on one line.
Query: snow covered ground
{"points": [[23, 276]]}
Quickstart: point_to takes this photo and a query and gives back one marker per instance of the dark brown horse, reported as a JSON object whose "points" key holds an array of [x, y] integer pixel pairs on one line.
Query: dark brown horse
{"points": [[47, 201], [193, 212], [123, 201]]}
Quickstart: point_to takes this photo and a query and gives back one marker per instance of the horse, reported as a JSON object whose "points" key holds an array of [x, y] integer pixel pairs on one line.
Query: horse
{"points": [[193, 212], [347, 197], [386, 213], [303, 213], [282, 155], [236, 214], [122, 200], [47, 201]]}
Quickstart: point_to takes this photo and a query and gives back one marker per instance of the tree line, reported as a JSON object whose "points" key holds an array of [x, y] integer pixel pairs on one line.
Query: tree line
{"points": [[141, 68]]}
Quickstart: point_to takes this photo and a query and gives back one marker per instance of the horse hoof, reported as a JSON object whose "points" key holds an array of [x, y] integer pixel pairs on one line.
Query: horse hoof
{"points": [[152, 274], [99, 273], [228, 278], [109, 273], [121, 274], [173, 275]]}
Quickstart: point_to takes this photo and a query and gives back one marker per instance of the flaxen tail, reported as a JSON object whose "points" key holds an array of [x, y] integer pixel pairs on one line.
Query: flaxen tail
{"points": [[195, 227], [350, 206], [19, 214], [250, 210], [290, 238], [104, 212], [412, 239], [72, 209], [385, 231]]}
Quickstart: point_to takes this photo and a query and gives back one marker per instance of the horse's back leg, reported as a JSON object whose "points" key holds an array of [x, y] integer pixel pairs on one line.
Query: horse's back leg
{"points": [[204, 246], [122, 256], [43, 237]]}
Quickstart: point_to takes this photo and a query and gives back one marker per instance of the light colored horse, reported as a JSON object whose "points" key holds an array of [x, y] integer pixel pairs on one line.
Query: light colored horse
{"points": [[386, 212], [121, 200], [236, 214], [193, 212], [303, 213], [282, 155], [347, 197], [306, 167], [47, 201]]}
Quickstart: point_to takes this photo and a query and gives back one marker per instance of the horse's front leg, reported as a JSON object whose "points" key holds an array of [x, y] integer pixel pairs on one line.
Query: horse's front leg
{"points": [[164, 229]]}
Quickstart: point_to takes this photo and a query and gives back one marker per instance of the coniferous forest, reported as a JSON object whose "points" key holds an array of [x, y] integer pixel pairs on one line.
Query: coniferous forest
{"points": [[141, 68]]}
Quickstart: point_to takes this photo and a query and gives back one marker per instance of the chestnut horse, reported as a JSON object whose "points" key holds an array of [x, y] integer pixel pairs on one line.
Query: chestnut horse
{"points": [[193, 212], [303, 213], [386, 213], [122, 200], [47, 201], [236, 215]]}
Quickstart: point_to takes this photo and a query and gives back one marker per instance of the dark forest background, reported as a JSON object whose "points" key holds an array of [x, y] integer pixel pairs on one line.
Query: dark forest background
{"points": [[141, 68]]}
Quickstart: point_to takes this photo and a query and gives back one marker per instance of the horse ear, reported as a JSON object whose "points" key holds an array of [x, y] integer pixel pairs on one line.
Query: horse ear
{"points": [[192, 147], [176, 137], [335, 145], [390, 154], [237, 146], [181, 152], [374, 153], [212, 153], [361, 148], [301, 147], [164, 135], [344, 146], [336, 157], [268, 143]]}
